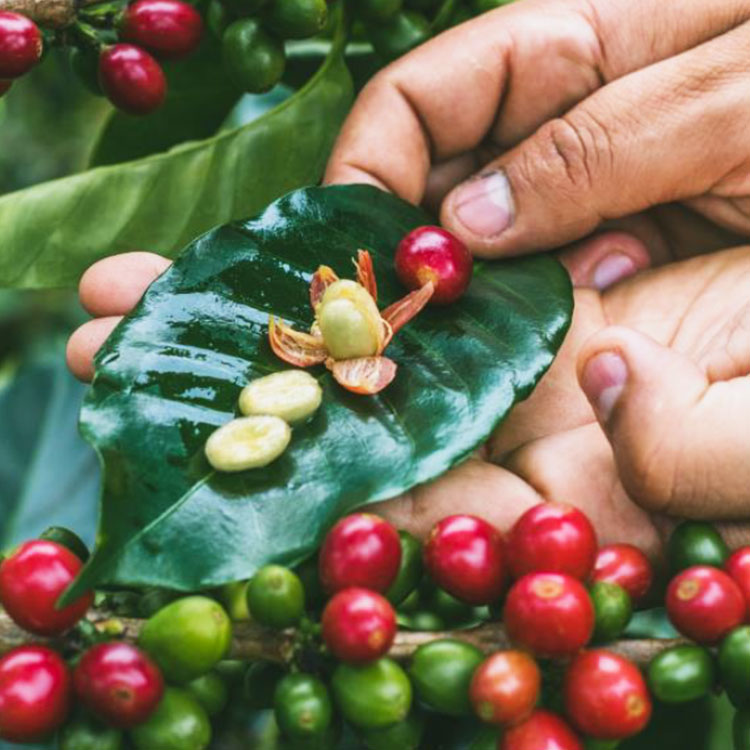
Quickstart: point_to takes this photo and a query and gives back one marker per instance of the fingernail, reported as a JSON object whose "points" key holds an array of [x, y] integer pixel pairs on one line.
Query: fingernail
{"points": [[603, 382], [485, 205], [613, 268]]}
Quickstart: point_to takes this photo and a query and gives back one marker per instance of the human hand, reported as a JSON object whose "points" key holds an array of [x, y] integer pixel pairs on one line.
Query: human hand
{"points": [[544, 119]]}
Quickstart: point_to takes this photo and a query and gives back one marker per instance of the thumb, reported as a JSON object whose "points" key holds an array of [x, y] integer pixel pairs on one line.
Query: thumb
{"points": [[680, 442]]}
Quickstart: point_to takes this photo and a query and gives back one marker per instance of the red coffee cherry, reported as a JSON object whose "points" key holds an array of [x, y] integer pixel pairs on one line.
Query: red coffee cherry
{"points": [[358, 625], [119, 683], [704, 604], [505, 688], [32, 579], [5, 87], [465, 555], [550, 614], [432, 254], [625, 565], [35, 693], [168, 28], [541, 731], [606, 696], [132, 80], [552, 538], [738, 568], [20, 44], [360, 550]]}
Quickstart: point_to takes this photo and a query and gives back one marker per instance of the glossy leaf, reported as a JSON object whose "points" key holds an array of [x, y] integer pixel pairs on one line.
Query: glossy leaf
{"points": [[50, 233], [172, 372]]}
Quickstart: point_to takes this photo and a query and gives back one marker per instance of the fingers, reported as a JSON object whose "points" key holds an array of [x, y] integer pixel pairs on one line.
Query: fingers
{"points": [[606, 158], [85, 343], [679, 440], [114, 285]]}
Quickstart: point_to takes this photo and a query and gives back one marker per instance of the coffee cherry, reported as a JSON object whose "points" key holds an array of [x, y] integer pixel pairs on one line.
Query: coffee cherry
{"points": [[543, 730], [606, 696], [681, 674], [704, 604], [358, 625], [178, 722], [465, 556], [695, 543], [211, 691], [168, 28], [35, 693], [275, 597], [625, 565], [432, 254], [296, 19], [612, 610], [505, 688], [32, 580], [410, 569], [118, 683], [253, 58], [20, 44], [734, 666], [360, 550], [738, 568], [84, 733], [552, 538], [550, 614], [405, 735], [302, 706], [68, 539], [132, 80], [399, 34]]}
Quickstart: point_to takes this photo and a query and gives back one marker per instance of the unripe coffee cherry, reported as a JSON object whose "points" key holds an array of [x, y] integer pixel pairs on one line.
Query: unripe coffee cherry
{"points": [[360, 550], [625, 565], [465, 556], [119, 683], [20, 44], [552, 538], [170, 29], [358, 625], [132, 80], [35, 693], [32, 579]]}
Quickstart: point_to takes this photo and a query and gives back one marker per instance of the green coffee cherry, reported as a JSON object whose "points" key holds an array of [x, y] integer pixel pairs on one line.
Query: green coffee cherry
{"points": [[253, 58], [210, 691], [218, 17], [412, 603], [275, 597], [427, 621], [187, 637], [372, 696], [451, 610], [179, 723], [612, 609], [378, 11], [232, 671], [291, 395], [681, 674], [261, 680], [441, 672], [410, 569], [296, 19], [302, 706], [402, 33], [695, 543], [89, 734], [406, 735], [67, 538], [734, 666], [234, 598], [247, 443]]}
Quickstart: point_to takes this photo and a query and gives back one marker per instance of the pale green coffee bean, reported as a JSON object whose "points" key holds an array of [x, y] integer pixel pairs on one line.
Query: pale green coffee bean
{"points": [[247, 443], [291, 395]]}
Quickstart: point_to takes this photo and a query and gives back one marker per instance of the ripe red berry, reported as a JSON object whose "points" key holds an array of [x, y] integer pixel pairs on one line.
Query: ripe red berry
{"points": [[360, 550], [541, 731], [358, 625], [168, 28], [465, 555], [625, 565], [132, 80], [550, 614], [5, 87], [704, 604], [119, 683], [432, 254], [505, 687], [738, 568], [552, 538], [606, 696], [34, 693], [20, 44], [32, 579]]}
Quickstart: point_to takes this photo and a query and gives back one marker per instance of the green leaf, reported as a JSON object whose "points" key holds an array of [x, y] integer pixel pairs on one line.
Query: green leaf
{"points": [[48, 475], [172, 372], [200, 96], [50, 233]]}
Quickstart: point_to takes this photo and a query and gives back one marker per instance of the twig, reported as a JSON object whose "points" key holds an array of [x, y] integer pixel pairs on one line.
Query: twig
{"points": [[251, 641], [54, 14]]}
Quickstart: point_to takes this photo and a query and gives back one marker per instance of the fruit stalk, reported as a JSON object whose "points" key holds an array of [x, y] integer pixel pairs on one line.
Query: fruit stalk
{"points": [[54, 14], [251, 641]]}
